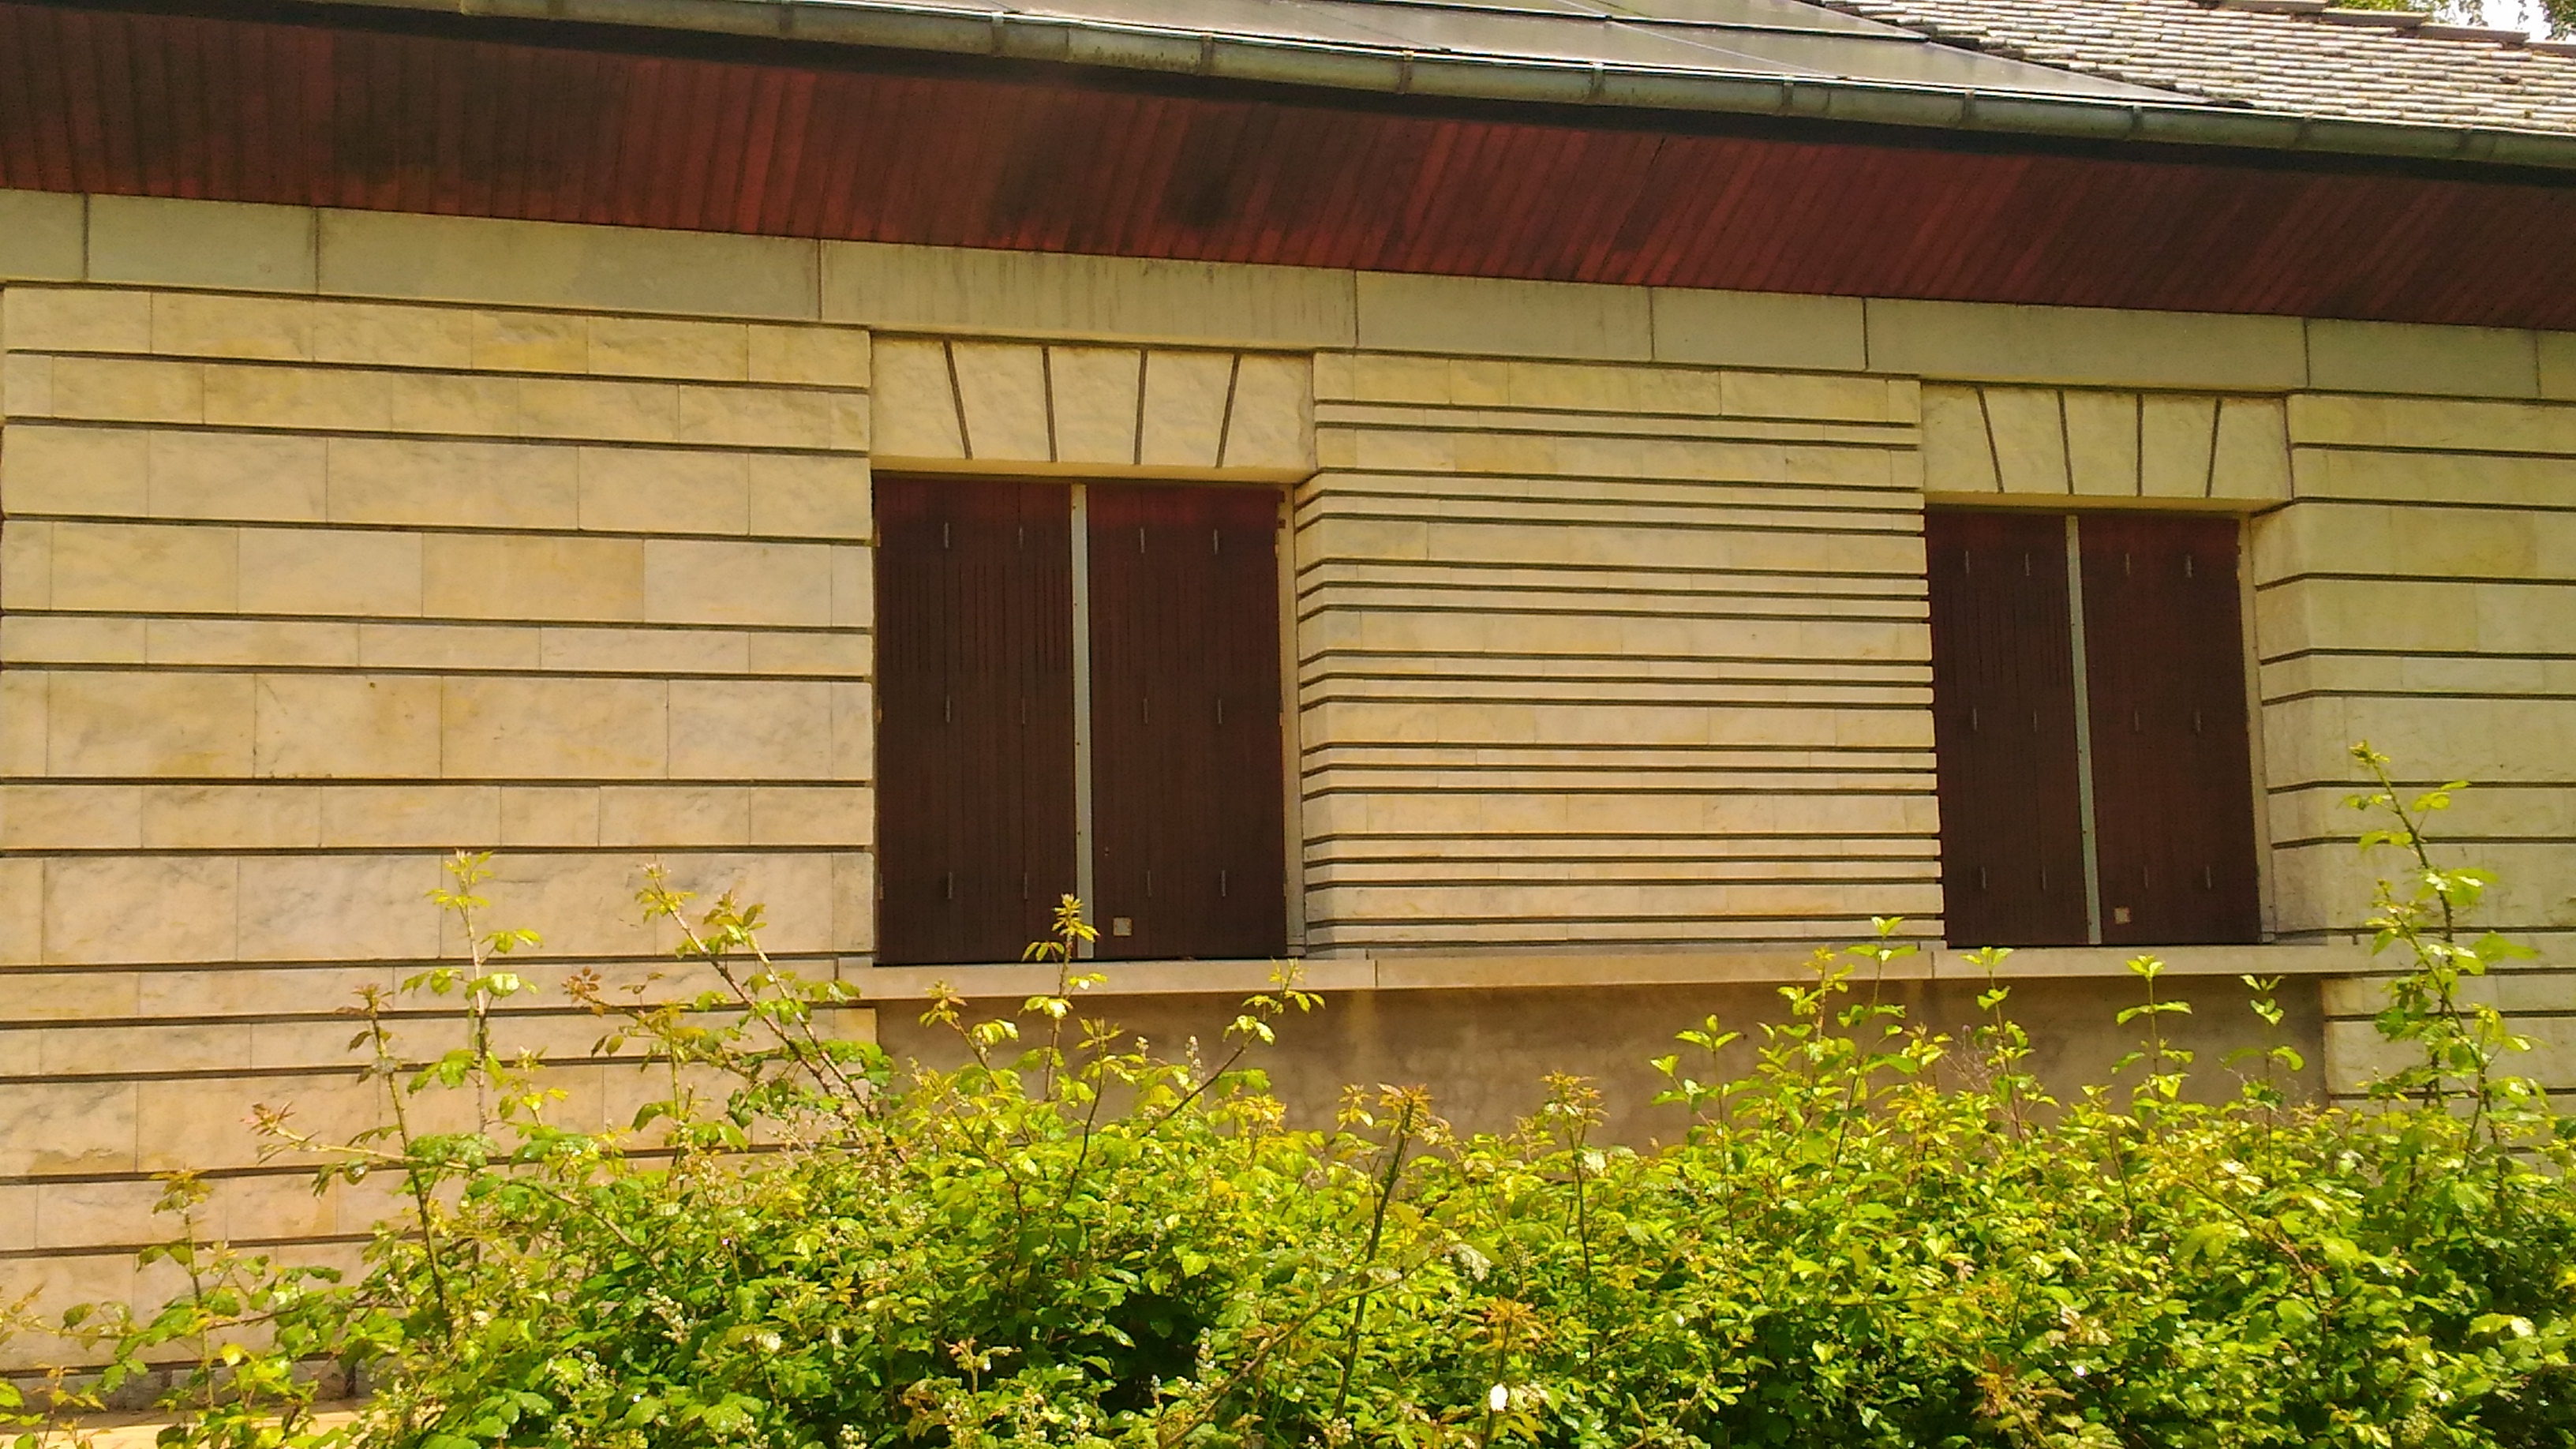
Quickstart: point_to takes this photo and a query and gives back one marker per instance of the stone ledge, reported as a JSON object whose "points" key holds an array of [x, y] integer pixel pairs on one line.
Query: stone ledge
{"points": [[1502, 970]]}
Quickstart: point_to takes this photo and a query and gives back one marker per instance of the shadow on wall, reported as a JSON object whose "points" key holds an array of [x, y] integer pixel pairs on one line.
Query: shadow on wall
{"points": [[1482, 1052]]}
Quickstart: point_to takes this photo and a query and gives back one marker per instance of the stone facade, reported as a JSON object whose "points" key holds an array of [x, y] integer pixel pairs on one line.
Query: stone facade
{"points": [[334, 541]]}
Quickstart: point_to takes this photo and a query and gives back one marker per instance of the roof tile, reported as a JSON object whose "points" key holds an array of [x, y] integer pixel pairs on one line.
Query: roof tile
{"points": [[2277, 55]]}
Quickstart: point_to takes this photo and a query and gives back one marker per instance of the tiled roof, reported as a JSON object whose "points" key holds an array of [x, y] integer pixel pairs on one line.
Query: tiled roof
{"points": [[2276, 55]]}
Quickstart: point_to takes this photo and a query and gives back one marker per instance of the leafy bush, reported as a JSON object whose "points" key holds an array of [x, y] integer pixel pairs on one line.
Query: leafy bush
{"points": [[1069, 1242]]}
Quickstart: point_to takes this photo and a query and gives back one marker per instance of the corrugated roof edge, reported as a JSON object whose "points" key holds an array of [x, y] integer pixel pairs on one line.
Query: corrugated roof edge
{"points": [[894, 24]]}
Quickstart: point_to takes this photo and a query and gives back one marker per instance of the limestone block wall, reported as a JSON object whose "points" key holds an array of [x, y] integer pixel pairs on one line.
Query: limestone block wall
{"points": [[2104, 444], [1603, 655], [2420, 592], [297, 595]]}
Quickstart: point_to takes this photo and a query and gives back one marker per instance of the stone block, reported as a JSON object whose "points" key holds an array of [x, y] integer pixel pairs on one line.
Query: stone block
{"points": [[564, 649], [449, 646], [705, 581], [1957, 455], [26, 564], [150, 568], [57, 1129], [231, 245], [2085, 346], [1092, 394], [2491, 362], [71, 817], [66, 640], [914, 403], [2557, 359], [1399, 312], [550, 264], [751, 730], [1808, 396], [453, 483], [1759, 329], [534, 578], [2417, 476], [1002, 391], [339, 907], [72, 995], [2251, 453], [664, 490], [378, 334], [125, 390], [575, 407], [2103, 436], [654, 817], [251, 642], [85, 1049], [331, 571], [180, 1124], [263, 395], [854, 924], [763, 417], [549, 815], [655, 346], [197, 324], [1095, 296], [1185, 408], [22, 909], [854, 732], [70, 639], [75, 471], [26, 385], [820, 356], [251, 477], [232, 817], [1271, 421], [41, 236], [2176, 433], [530, 342], [2434, 424], [554, 729], [114, 910], [75, 319], [840, 653], [129, 725], [854, 603], [321, 726], [840, 815], [2029, 432], [583, 904], [806, 496]]}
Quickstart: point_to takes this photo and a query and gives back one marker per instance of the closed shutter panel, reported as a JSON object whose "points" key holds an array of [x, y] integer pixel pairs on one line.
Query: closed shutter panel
{"points": [[974, 640], [2003, 709], [1186, 802], [2172, 773]]}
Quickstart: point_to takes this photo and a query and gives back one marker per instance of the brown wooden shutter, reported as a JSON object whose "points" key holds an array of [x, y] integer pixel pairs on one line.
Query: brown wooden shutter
{"points": [[974, 638], [1186, 802], [2003, 711], [2172, 774]]}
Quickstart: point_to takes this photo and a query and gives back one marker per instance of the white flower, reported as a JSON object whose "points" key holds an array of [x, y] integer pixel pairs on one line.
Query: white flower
{"points": [[1498, 1398]]}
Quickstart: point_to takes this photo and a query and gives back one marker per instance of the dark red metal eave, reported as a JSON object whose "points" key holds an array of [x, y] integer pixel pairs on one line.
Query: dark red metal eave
{"points": [[163, 104]]}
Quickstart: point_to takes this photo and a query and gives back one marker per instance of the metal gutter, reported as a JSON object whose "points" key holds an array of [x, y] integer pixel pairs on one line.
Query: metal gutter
{"points": [[955, 30]]}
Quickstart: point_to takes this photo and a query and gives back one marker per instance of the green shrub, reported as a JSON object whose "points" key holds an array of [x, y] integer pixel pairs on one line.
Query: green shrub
{"points": [[1069, 1242]]}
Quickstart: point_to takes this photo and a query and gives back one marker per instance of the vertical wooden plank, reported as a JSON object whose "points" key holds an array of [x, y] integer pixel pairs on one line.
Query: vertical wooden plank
{"points": [[975, 730], [1187, 811], [2003, 712], [2171, 767]]}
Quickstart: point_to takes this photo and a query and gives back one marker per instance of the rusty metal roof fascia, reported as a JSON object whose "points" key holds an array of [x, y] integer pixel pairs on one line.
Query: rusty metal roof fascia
{"points": [[896, 24]]}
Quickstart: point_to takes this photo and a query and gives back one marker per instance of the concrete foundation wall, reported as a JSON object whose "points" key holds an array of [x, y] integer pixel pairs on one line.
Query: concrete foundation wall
{"points": [[332, 541]]}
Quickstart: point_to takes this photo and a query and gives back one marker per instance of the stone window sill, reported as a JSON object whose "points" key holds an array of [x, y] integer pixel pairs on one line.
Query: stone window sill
{"points": [[1543, 970]]}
